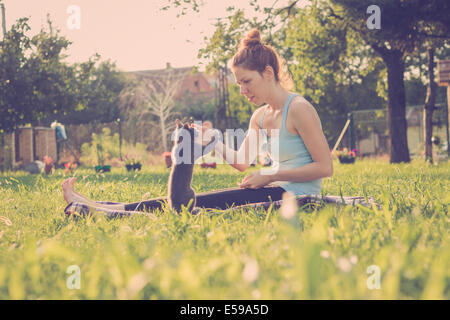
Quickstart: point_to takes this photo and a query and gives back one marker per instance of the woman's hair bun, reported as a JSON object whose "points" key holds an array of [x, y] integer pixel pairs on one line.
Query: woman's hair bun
{"points": [[253, 38]]}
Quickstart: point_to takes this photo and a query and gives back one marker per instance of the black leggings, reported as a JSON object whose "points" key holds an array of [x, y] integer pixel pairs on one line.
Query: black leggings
{"points": [[217, 199]]}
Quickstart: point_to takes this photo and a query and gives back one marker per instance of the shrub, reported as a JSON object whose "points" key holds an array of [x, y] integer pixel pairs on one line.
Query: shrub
{"points": [[104, 147]]}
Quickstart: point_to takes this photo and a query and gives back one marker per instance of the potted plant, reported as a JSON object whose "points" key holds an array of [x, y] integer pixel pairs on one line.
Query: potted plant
{"points": [[132, 164], [346, 156], [205, 165], [167, 158], [101, 167], [70, 166], [49, 164]]}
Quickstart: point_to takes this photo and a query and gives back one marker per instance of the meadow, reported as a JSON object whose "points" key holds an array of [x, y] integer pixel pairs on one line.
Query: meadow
{"points": [[400, 250]]}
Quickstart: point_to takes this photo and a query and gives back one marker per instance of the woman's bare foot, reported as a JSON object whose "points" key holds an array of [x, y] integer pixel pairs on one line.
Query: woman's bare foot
{"points": [[69, 193]]}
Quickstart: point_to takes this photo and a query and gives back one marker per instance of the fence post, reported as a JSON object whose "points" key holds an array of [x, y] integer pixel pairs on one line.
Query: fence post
{"points": [[120, 138], [351, 135]]}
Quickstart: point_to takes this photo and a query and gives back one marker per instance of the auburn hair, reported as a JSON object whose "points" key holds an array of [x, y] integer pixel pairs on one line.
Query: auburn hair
{"points": [[253, 54]]}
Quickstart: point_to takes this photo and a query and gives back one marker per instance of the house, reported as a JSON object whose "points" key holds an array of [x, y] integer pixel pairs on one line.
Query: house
{"points": [[197, 84]]}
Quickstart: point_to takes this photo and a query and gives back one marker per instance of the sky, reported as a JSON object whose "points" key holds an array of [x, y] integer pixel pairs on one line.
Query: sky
{"points": [[136, 34]]}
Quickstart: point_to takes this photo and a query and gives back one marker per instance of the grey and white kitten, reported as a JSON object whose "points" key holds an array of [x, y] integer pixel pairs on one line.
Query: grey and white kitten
{"points": [[187, 149]]}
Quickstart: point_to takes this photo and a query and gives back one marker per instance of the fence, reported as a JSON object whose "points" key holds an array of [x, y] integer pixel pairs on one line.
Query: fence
{"points": [[27, 144], [371, 132]]}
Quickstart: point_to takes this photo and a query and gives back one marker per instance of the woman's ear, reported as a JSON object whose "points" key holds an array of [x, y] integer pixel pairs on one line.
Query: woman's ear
{"points": [[268, 73]]}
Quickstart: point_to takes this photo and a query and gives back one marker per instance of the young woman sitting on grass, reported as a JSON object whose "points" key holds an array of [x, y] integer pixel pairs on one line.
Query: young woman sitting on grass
{"points": [[303, 158]]}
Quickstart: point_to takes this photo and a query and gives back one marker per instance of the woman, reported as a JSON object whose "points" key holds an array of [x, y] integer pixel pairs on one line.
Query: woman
{"points": [[303, 155]]}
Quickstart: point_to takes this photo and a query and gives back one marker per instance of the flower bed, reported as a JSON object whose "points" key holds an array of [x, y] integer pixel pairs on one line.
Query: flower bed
{"points": [[346, 156]]}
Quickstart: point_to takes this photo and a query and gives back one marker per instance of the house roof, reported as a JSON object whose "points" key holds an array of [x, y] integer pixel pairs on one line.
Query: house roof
{"points": [[195, 83]]}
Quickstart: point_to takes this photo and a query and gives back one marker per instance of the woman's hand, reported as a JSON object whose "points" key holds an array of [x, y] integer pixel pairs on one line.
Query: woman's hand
{"points": [[255, 180], [206, 136]]}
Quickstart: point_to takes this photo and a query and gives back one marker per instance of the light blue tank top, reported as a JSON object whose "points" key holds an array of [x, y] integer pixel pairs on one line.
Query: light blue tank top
{"points": [[292, 154]]}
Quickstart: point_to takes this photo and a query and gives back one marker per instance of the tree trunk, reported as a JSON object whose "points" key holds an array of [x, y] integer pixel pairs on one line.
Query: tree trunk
{"points": [[222, 102], [162, 122], [396, 107], [429, 107]]}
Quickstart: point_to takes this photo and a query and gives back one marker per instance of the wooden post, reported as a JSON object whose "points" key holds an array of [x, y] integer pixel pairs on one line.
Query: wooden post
{"points": [[340, 137], [429, 107], [2, 6], [448, 120], [444, 81]]}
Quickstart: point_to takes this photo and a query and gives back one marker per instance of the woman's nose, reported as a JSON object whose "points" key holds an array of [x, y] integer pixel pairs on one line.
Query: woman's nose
{"points": [[243, 90]]}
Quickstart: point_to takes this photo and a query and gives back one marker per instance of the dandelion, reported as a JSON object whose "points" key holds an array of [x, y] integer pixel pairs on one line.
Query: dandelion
{"points": [[251, 271], [256, 294], [289, 206], [353, 259], [136, 284], [344, 264]]}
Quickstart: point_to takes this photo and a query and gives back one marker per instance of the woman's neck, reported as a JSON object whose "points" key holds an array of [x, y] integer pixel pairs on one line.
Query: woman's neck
{"points": [[277, 98]]}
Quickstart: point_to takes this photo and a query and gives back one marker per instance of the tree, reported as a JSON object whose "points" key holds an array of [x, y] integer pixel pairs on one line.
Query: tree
{"points": [[51, 77], [15, 79], [153, 95], [330, 67], [405, 26], [38, 87], [196, 107], [96, 85], [36, 81], [420, 72]]}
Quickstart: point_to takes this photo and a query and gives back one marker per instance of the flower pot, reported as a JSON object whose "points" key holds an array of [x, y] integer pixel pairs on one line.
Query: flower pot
{"points": [[168, 160], [205, 165], [136, 166], [346, 160], [103, 168]]}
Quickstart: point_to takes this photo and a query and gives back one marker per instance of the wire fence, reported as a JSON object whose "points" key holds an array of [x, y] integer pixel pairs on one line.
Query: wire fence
{"points": [[371, 131]]}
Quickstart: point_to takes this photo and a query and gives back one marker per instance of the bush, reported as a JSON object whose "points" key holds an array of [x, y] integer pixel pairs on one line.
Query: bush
{"points": [[104, 148]]}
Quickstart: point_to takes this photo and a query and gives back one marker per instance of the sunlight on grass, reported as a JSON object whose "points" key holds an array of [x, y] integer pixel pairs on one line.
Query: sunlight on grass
{"points": [[246, 254]]}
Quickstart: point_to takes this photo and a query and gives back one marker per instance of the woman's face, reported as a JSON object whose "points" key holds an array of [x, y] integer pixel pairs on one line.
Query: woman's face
{"points": [[252, 84]]}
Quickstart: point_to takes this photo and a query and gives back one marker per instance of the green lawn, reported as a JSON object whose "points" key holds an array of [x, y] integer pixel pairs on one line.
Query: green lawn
{"points": [[320, 254]]}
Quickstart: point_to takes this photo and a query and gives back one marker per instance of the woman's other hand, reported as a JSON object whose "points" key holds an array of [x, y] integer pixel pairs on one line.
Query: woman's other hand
{"points": [[255, 180]]}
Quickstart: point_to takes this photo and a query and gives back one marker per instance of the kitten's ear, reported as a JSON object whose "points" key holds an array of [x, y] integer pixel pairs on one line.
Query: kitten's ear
{"points": [[178, 123]]}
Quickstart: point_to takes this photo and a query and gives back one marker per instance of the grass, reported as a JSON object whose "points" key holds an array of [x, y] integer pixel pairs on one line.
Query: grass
{"points": [[253, 254]]}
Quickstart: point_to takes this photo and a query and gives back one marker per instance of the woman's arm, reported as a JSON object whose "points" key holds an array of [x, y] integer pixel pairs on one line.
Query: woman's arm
{"points": [[307, 125], [248, 150]]}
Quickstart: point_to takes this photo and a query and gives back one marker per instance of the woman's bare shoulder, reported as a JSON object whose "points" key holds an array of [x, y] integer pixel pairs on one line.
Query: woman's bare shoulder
{"points": [[302, 107], [257, 114]]}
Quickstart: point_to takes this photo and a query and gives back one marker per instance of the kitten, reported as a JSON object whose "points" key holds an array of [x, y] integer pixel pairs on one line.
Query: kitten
{"points": [[187, 149]]}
